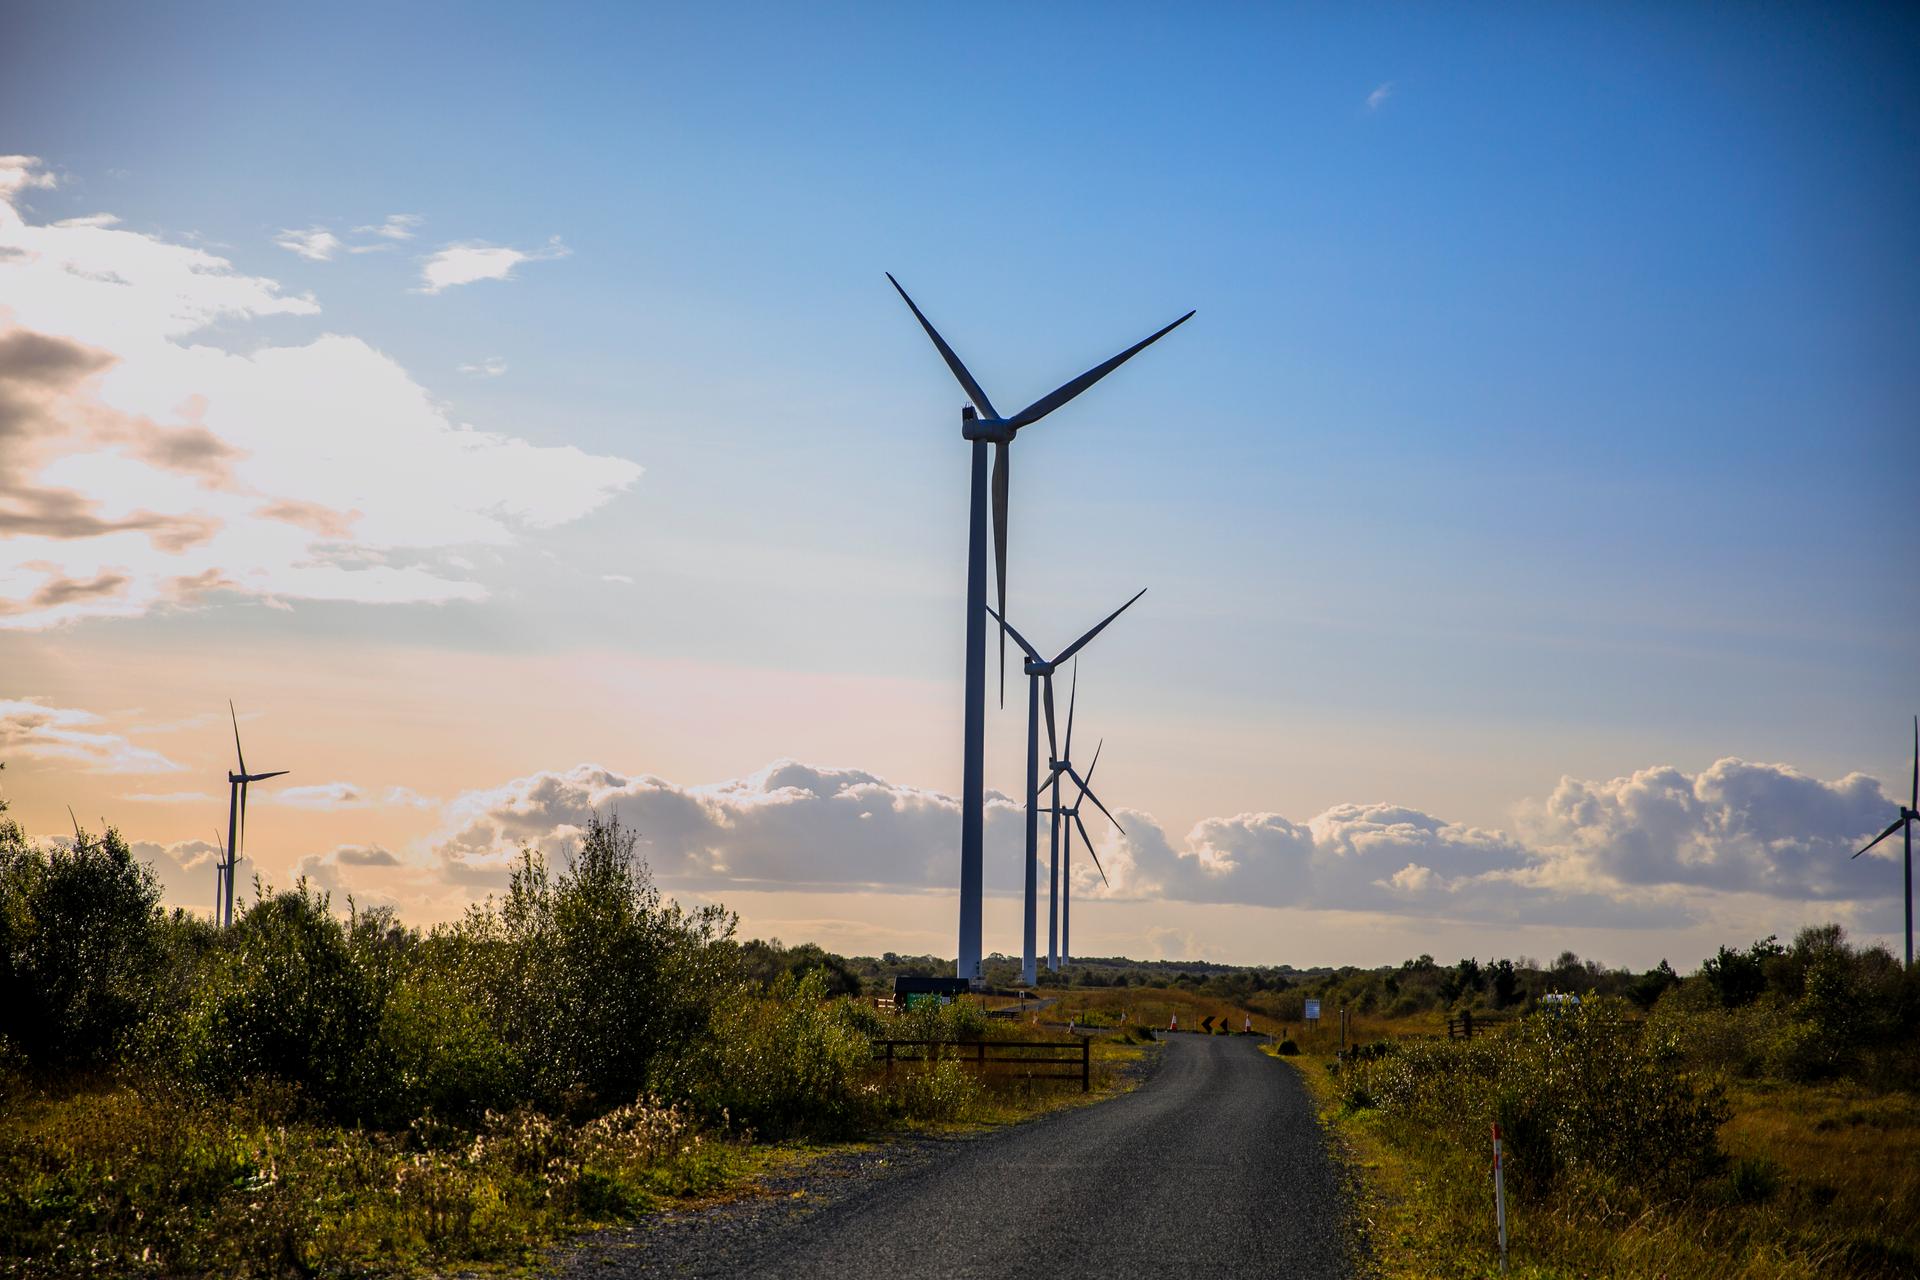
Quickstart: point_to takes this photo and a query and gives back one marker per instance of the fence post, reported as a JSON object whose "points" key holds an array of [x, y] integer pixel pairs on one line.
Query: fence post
{"points": [[889, 1057], [1500, 1198], [980, 1053], [1086, 1064]]}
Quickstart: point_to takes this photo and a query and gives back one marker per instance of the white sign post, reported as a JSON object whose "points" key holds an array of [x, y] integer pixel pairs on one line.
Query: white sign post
{"points": [[1500, 1198]]}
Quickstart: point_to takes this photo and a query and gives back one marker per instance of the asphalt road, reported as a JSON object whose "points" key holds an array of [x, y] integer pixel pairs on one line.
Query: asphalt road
{"points": [[1213, 1167]]}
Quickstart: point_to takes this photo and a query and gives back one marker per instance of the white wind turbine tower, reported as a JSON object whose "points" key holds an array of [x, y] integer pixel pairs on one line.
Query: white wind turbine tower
{"points": [[1039, 672], [236, 820], [981, 425], [1072, 812]]}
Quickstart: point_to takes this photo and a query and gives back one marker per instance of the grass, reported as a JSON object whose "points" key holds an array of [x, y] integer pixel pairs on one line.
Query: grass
{"points": [[1820, 1180], [107, 1179]]}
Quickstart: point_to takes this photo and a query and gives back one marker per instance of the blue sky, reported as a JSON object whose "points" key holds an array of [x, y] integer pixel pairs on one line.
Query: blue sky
{"points": [[1549, 410]]}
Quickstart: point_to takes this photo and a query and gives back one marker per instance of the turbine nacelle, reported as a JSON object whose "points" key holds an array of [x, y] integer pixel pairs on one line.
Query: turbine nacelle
{"points": [[991, 430]]}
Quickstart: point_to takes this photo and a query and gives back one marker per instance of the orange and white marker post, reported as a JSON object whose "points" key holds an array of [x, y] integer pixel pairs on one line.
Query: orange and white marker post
{"points": [[1173, 1022], [1500, 1197]]}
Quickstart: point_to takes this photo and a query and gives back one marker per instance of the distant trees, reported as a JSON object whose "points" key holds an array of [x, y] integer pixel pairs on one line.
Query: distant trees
{"points": [[1504, 981], [1817, 1009], [1738, 977]]}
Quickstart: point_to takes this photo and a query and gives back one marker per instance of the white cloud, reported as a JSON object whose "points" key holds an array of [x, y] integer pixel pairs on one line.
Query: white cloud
{"points": [[790, 825], [475, 260], [18, 173], [34, 730], [184, 869], [798, 826], [1738, 826], [621, 578], [346, 795], [1379, 96], [170, 797], [141, 469], [397, 226], [491, 367], [316, 243]]}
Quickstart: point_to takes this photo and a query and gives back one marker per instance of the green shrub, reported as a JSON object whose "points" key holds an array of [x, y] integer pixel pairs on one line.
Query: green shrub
{"points": [[1578, 1091], [284, 1000], [943, 1090], [780, 1063], [77, 945], [443, 1054], [1288, 1048], [590, 978]]}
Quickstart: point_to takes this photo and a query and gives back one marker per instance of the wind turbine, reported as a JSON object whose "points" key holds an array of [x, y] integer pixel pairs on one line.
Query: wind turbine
{"points": [[237, 816], [981, 425], [1040, 676], [219, 875], [1909, 814], [1072, 812]]}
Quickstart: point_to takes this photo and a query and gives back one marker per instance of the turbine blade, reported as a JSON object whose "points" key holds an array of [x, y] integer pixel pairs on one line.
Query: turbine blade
{"points": [[1073, 695], [1002, 464], [1097, 749], [262, 777], [236, 735], [1017, 637], [1090, 852], [1053, 400], [1081, 643], [1897, 824], [1913, 796], [974, 393], [1053, 743], [76, 827], [1088, 792]]}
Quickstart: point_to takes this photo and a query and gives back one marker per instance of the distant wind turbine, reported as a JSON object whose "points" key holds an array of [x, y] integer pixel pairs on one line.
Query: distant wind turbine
{"points": [[219, 875], [981, 425], [237, 816], [1072, 812], [1909, 814], [1040, 677]]}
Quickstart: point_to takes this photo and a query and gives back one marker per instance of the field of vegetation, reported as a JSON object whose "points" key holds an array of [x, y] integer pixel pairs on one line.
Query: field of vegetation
{"points": [[1757, 1120], [318, 1093]]}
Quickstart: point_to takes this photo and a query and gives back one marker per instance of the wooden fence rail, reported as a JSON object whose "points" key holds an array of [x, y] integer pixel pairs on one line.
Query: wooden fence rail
{"points": [[986, 1055], [1463, 1025]]}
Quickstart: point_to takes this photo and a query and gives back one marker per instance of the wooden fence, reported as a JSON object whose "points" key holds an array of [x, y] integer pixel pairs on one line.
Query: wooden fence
{"points": [[1464, 1025], [1076, 1055]]}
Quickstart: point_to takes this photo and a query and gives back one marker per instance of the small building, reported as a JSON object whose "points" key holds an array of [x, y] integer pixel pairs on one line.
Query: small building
{"points": [[912, 989]]}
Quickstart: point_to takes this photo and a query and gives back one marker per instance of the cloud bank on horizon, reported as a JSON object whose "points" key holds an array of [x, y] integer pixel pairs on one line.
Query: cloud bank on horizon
{"points": [[1625, 851], [1649, 849], [149, 459]]}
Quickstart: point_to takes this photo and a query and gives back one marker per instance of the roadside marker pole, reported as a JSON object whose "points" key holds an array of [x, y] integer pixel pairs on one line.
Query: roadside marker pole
{"points": [[1500, 1197]]}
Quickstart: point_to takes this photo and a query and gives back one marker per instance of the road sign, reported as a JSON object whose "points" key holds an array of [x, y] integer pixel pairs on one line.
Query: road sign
{"points": [[1313, 1011]]}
